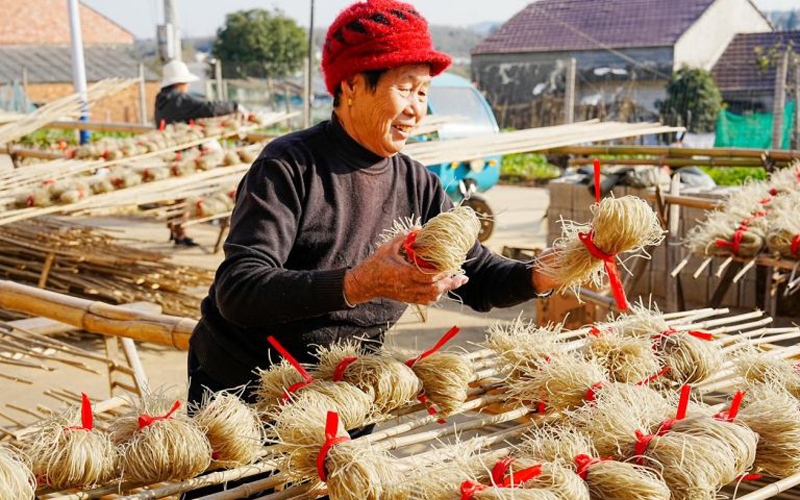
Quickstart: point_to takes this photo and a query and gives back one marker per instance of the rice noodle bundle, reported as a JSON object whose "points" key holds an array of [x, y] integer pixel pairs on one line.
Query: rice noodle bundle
{"points": [[67, 452], [445, 378], [159, 442], [233, 429], [273, 384], [784, 236], [762, 367], [626, 359], [690, 356], [619, 225], [551, 476], [698, 455], [353, 470], [442, 244], [389, 382], [565, 382], [16, 479], [774, 415], [521, 343], [606, 479]]}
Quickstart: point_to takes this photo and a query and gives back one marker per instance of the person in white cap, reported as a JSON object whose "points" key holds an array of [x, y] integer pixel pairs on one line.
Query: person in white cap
{"points": [[175, 104]]}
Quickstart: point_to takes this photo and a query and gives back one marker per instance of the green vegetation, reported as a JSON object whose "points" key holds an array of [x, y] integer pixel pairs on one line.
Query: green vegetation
{"points": [[528, 166], [693, 100], [735, 176], [259, 43]]}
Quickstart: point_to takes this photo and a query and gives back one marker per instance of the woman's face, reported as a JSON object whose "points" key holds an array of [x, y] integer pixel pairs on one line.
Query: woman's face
{"points": [[382, 120]]}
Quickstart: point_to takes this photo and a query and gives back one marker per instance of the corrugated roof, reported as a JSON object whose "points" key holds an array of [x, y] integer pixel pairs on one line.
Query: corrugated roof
{"points": [[737, 70], [560, 25], [50, 64]]}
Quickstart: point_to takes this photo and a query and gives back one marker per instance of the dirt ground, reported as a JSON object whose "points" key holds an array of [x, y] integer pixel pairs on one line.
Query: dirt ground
{"points": [[519, 213]]}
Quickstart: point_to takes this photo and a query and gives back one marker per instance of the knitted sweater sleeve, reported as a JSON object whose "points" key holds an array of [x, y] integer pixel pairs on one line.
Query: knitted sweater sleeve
{"points": [[494, 281], [253, 289]]}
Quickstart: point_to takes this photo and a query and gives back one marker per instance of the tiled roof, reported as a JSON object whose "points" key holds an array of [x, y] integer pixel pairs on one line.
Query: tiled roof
{"points": [[48, 64], [737, 70], [559, 25], [46, 22]]}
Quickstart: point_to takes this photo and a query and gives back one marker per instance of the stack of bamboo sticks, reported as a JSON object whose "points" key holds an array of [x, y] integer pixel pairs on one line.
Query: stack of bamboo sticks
{"points": [[70, 105], [80, 260]]}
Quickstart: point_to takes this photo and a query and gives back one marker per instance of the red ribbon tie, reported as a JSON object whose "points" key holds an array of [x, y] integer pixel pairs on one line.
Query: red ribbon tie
{"points": [[442, 341], [584, 462], [307, 379], [408, 246], [87, 419], [331, 427], [611, 268], [145, 419]]}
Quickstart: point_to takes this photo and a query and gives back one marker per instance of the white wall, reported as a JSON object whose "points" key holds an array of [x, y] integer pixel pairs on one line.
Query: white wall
{"points": [[643, 93], [705, 41]]}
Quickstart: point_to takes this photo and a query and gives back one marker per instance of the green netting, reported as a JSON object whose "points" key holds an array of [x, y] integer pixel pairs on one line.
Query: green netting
{"points": [[752, 131]]}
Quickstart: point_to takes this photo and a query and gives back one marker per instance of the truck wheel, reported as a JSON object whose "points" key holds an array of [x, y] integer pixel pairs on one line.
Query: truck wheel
{"points": [[486, 215]]}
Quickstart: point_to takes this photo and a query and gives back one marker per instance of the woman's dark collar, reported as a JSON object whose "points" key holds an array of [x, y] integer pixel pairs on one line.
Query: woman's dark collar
{"points": [[356, 155]]}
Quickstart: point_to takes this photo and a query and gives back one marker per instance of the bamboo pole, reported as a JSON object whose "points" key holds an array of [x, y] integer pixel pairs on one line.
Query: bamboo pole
{"points": [[98, 317], [778, 155]]}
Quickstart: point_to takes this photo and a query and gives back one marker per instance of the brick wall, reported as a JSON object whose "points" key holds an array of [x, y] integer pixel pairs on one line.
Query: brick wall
{"points": [[122, 107], [46, 22]]}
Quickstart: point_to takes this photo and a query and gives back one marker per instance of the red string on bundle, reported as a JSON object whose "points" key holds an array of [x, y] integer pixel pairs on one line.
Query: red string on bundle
{"points": [[161, 125], [796, 245], [736, 242], [500, 468], [731, 412], [596, 332], [469, 488], [408, 246], [307, 378], [596, 164], [87, 419], [145, 419], [671, 331], [653, 376], [431, 410], [338, 373], [643, 440], [584, 462], [331, 427], [442, 341], [611, 268], [748, 477], [591, 392]]}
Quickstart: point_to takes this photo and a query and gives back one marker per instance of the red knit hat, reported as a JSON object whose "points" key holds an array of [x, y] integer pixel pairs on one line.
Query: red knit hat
{"points": [[377, 34]]}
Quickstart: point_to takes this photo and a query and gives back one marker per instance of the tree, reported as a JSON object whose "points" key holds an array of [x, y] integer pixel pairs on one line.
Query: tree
{"points": [[693, 100], [259, 43]]}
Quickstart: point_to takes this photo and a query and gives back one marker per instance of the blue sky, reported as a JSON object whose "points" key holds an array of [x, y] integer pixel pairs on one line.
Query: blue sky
{"points": [[202, 17]]}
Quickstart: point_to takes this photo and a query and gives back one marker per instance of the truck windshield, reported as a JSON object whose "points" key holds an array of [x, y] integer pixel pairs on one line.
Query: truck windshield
{"points": [[457, 101]]}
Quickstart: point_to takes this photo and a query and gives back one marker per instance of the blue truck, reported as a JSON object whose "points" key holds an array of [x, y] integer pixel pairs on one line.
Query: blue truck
{"points": [[452, 95]]}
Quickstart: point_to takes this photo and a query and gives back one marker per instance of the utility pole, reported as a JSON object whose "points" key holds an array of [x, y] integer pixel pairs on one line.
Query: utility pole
{"points": [[779, 101], [569, 96], [78, 66], [218, 78], [309, 71], [173, 32], [142, 96]]}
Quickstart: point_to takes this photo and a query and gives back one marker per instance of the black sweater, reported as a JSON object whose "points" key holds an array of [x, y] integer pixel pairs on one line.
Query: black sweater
{"points": [[313, 205], [172, 106]]}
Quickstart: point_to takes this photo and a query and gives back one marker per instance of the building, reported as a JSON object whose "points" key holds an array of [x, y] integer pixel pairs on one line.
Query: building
{"points": [[35, 54], [625, 50], [745, 73]]}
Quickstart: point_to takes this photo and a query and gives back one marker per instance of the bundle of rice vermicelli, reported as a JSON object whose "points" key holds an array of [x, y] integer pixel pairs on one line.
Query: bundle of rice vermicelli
{"points": [[390, 383], [38, 197], [774, 415], [759, 367], [564, 382], [726, 233], [233, 429], [273, 385], [690, 355], [16, 479], [606, 479], [445, 376], [784, 235], [585, 252], [521, 343], [313, 446], [529, 474], [65, 455], [441, 244], [697, 457], [626, 359], [159, 442]]}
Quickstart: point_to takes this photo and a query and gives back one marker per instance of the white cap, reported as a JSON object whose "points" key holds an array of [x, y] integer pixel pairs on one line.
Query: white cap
{"points": [[176, 72]]}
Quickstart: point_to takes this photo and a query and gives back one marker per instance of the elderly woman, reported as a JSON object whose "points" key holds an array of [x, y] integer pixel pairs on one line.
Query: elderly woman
{"points": [[301, 262]]}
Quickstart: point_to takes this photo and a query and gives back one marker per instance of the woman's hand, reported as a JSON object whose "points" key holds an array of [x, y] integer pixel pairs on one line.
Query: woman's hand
{"points": [[386, 274], [542, 282]]}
